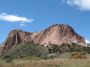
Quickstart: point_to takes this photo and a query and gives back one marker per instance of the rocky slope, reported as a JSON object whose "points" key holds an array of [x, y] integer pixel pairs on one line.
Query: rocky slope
{"points": [[55, 34]]}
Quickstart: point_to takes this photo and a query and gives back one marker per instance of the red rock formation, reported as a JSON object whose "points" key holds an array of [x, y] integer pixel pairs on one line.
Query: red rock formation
{"points": [[16, 37], [55, 34], [58, 34]]}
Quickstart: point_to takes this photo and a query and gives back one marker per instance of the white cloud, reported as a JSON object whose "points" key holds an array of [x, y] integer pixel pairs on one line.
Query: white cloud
{"points": [[81, 4], [14, 18], [22, 24], [87, 41]]}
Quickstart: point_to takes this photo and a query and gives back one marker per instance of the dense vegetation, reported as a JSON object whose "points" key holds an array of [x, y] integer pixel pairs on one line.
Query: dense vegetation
{"points": [[36, 51], [26, 50]]}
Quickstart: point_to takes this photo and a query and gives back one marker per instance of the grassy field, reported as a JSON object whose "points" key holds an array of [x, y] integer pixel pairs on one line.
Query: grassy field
{"points": [[47, 63]]}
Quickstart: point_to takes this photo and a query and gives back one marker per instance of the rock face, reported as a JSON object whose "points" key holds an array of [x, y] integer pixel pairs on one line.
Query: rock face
{"points": [[55, 34], [16, 37], [58, 34]]}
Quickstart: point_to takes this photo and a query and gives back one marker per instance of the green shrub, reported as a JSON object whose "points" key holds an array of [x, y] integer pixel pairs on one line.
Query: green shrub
{"points": [[8, 59]]}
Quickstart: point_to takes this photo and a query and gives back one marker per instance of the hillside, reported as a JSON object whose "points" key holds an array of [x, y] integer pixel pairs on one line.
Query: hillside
{"points": [[55, 34], [36, 51]]}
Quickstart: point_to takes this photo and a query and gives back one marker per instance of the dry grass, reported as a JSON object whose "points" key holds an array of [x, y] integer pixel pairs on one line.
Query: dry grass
{"points": [[48, 63]]}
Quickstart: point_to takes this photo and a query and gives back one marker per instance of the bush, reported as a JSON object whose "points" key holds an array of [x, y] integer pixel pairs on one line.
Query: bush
{"points": [[8, 59], [78, 55], [54, 49]]}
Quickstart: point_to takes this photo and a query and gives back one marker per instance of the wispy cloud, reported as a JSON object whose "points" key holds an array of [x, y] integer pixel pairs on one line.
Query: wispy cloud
{"points": [[15, 18], [81, 4]]}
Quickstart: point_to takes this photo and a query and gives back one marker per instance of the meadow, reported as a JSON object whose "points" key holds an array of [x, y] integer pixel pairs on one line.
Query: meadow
{"points": [[47, 63]]}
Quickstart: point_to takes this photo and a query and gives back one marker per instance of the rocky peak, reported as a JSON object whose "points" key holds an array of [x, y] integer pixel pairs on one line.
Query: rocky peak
{"points": [[58, 34], [60, 26]]}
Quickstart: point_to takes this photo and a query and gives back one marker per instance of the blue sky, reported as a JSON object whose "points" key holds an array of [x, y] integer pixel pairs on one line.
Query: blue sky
{"points": [[36, 15]]}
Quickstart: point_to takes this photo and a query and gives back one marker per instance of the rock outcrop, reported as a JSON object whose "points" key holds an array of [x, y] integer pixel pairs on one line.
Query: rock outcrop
{"points": [[58, 34], [55, 34], [16, 37]]}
